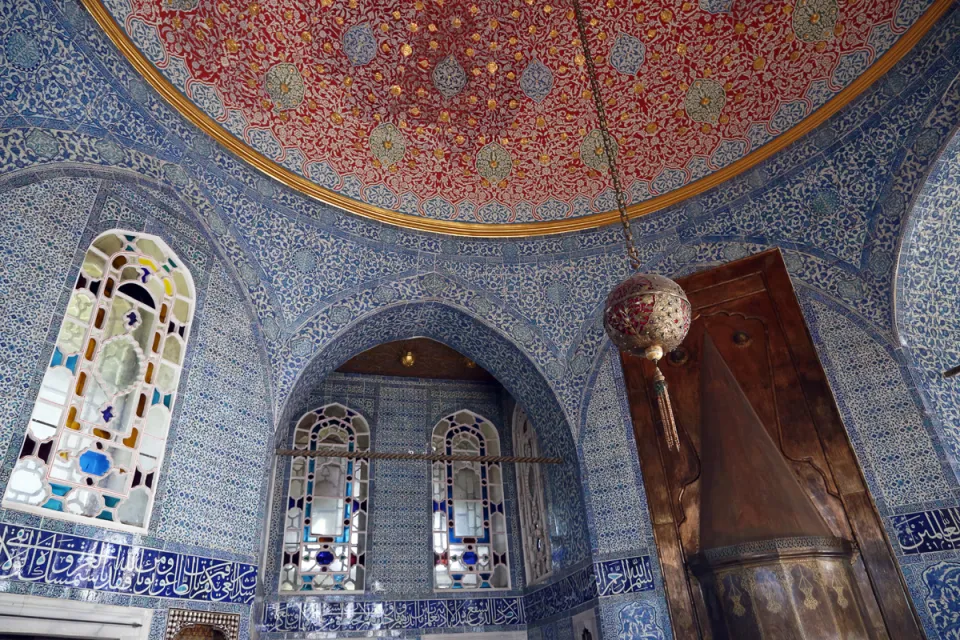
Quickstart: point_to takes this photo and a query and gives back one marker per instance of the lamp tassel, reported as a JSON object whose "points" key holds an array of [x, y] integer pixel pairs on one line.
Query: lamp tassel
{"points": [[666, 409]]}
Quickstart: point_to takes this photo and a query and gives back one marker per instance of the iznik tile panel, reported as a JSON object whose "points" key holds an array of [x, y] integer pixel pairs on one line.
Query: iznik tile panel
{"points": [[62, 559]]}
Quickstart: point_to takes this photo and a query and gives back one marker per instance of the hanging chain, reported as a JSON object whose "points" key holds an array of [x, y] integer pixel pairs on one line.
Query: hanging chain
{"points": [[608, 143]]}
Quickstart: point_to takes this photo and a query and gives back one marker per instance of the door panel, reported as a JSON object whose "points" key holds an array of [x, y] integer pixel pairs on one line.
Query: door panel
{"points": [[750, 311]]}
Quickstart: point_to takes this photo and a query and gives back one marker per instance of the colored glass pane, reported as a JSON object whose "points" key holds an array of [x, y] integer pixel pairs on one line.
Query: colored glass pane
{"points": [[469, 527], [326, 516]]}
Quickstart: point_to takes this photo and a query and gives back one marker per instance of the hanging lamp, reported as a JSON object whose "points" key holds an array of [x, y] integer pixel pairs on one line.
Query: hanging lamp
{"points": [[646, 315]]}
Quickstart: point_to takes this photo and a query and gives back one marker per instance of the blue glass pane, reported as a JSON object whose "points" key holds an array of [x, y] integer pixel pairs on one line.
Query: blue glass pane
{"points": [[94, 462], [105, 515], [72, 362], [59, 489], [470, 558], [167, 399], [111, 502], [54, 505], [156, 398], [57, 357], [325, 557]]}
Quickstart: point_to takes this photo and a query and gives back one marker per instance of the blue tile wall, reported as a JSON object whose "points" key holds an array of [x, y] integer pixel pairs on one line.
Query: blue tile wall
{"points": [[213, 535], [82, 134], [926, 290]]}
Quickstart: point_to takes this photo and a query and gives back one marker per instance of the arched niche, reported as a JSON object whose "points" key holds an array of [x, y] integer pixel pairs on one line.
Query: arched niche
{"points": [[927, 295], [497, 354]]}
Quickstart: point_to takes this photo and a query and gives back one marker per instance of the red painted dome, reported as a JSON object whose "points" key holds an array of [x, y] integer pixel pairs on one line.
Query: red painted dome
{"points": [[479, 111]]}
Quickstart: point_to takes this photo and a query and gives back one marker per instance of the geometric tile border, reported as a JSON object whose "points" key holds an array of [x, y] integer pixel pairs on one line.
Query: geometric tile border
{"points": [[179, 619]]}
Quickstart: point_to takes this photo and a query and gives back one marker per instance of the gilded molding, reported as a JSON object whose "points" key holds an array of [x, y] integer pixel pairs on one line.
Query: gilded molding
{"points": [[525, 229]]}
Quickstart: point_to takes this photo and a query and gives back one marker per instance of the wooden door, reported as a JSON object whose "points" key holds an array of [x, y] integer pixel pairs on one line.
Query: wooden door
{"points": [[751, 313]]}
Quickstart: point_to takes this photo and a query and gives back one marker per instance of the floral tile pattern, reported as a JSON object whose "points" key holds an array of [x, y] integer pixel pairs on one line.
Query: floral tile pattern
{"points": [[293, 288]]}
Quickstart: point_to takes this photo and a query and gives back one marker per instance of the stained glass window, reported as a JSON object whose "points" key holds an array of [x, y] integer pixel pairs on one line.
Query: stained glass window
{"points": [[325, 526], [95, 441], [469, 525], [537, 559]]}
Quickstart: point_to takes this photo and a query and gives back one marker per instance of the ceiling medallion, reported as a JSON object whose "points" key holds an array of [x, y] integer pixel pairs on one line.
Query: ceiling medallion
{"points": [[284, 85]]}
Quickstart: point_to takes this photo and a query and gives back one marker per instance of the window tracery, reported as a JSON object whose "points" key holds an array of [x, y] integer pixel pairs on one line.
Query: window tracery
{"points": [[325, 526], [94, 443], [469, 525], [531, 498]]}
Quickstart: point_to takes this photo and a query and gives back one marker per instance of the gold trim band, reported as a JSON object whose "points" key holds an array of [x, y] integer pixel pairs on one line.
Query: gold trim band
{"points": [[476, 229]]}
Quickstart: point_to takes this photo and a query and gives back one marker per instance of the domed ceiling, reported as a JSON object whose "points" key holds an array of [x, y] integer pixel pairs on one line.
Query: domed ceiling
{"points": [[478, 112]]}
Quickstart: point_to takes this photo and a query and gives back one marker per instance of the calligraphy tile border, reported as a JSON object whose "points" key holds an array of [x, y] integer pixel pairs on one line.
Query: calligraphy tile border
{"points": [[117, 573], [559, 597]]}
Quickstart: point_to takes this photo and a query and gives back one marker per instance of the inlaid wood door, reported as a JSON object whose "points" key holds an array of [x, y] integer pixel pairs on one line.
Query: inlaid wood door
{"points": [[751, 314]]}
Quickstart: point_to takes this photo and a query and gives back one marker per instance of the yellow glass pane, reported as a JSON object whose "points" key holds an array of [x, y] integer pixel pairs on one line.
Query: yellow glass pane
{"points": [[147, 262]]}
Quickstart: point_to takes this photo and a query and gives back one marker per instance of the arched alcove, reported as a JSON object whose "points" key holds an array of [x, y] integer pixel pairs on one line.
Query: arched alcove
{"points": [[927, 295], [457, 329]]}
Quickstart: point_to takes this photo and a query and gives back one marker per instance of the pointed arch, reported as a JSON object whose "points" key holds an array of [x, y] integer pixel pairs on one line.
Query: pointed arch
{"points": [[94, 444], [510, 363]]}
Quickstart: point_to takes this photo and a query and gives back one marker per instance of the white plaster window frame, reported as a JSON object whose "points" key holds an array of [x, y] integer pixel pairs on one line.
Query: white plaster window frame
{"points": [[35, 615]]}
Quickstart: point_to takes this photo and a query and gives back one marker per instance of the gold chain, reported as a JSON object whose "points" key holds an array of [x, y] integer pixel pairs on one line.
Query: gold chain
{"points": [[608, 143]]}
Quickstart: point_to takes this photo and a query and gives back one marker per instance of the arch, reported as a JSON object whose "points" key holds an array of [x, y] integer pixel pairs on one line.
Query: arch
{"points": [[458, 329], [469, 522], [926, 304], [325, 521], [95, 441]]}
